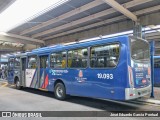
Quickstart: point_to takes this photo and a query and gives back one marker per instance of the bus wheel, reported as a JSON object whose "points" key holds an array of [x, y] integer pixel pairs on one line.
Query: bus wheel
{"points": [[18, 86], [60, 91]]}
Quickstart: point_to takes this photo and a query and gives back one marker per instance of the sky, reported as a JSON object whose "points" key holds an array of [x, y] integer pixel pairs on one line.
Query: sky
{"points": [[21, 10]]}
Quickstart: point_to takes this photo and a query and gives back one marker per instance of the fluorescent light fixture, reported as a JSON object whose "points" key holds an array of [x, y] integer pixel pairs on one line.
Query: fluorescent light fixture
{"points": [[69, 43], [3, 33], [119, 34], [147, 28], [3, 56], [154, 26], [22, 10], [130, 32], [151, 31], [90, 39]]}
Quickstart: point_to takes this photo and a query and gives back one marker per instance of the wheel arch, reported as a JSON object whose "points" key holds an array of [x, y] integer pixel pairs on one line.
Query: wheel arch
{"points": [[15, 79], [59, 81]]}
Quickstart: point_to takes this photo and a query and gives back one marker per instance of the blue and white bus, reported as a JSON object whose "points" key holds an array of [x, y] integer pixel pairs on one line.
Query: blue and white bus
{"points": [[157, 71], [114, 68]]}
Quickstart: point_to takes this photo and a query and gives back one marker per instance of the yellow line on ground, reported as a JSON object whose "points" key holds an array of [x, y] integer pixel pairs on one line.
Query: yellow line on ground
{"points": [[147, 103], [4, 85], [42, 89]]}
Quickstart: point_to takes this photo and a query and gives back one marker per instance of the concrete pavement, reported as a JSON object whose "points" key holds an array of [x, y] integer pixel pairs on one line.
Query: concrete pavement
{"points": [[36, 100]]}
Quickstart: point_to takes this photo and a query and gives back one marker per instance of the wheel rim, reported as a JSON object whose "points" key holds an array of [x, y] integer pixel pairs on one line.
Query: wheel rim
{"points": [[59, 92]]}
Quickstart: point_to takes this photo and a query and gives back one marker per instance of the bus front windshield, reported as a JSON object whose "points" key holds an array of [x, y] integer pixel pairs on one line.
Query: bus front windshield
{"points": [[139, 49]]}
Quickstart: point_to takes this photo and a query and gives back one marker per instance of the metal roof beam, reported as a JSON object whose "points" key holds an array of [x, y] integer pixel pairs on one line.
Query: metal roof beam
{"points": [[121, 9], [153, 34], [10, 48], [64, 16], [91, 17], [140, 12], [4, 4], [155, 38], [20, 39]]}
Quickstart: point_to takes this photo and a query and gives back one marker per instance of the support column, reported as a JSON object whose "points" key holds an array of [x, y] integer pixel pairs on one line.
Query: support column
{"points": [[137, 30], [152, 51], [0, 60]]}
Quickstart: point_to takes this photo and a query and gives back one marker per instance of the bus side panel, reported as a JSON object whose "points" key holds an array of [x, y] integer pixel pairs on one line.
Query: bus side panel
{"points": [[94, 84], [97, 83], [91, 82], [156, 76]]}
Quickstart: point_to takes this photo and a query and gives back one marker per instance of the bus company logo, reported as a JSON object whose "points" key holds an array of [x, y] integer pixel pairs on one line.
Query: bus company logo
{"points": [[52, 72], [58, 72], [80, 74], [80, 77]]}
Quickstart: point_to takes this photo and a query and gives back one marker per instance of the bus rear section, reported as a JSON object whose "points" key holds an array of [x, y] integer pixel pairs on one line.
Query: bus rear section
{"points": [[139, 72]]}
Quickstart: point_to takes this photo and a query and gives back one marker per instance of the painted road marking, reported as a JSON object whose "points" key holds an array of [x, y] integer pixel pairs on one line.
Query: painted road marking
{"points": [[136, 104], [42, 89], [151, 101], [4, 85], [145, 103]]}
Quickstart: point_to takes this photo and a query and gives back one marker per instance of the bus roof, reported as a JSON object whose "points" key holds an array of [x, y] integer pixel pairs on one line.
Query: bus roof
{"points": [[17, 55], [59, 47]]}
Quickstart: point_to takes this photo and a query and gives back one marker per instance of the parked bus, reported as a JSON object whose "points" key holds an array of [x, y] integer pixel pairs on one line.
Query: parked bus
{"points": [[114, 68], [157, 71]]}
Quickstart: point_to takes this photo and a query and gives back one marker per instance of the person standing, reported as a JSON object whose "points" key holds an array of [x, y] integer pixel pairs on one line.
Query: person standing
{"points": [[3, 73]]}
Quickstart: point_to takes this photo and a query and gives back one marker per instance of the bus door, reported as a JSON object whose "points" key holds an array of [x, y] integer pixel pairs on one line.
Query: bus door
{"points": [[23, 70], [32, 72], [10, 76], [43, 77]]}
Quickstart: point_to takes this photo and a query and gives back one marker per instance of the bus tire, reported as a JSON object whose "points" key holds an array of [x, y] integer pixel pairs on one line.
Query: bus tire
{"points": [[18, 86], [60, 91]]}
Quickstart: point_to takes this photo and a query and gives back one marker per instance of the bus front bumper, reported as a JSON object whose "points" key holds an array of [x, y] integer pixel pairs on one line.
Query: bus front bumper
{"points": [[133, 93]]}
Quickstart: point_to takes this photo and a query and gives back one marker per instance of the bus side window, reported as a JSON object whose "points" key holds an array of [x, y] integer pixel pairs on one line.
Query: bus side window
{"points": [[32, 62], [44, 61], [77, 58], [17, 62], [104, 56], [58, 60]]}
